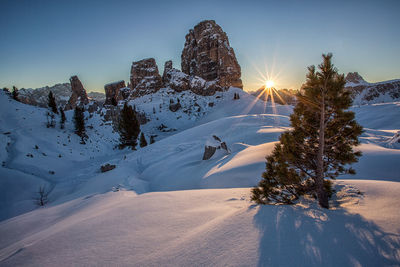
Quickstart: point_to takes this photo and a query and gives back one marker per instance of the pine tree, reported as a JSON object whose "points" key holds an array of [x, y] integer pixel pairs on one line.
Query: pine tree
{"points": [[52, 103], [62, 119], [15, 93], [128, 127], [320, 145], [143, 141], [152, 139], [79, 121]]}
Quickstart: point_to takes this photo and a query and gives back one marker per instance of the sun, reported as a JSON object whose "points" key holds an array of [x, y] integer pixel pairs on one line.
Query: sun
{"points": [[269, 84]]}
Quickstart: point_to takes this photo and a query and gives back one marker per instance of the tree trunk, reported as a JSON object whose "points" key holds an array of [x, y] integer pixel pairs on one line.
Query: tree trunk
{"points": [[321, 194]]}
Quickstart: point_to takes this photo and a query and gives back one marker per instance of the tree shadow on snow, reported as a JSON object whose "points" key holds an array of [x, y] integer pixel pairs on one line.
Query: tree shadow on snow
{"points": [[311, 236]]}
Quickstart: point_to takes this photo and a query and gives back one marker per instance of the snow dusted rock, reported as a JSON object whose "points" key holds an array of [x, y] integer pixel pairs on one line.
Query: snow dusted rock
{"points": [[371, 93], [394, 142], [167, 68], [107, 167], [208, 152], [180, 81], [213, 145], [78, 96], [113, 92], [145, 78], [354, 77], [93, 106], [175, 79], [39, 96], [207, 54], [174, 107]]}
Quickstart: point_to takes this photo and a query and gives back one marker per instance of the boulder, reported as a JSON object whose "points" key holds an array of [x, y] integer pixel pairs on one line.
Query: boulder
{"points": [[213, 145], [145, 78], [78, 96], [207, 54], [112, 91], [209, 151], [107, 167], [175, 107]]}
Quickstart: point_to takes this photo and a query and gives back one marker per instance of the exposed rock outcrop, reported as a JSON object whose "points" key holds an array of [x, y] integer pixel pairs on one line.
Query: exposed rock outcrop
{"points": [[174, 107], [207, 54], [78, 96], [145, 78], [167, 68], [107, 167], [370, 93], [179, 81], [394, 142], [113, 94], [39, 96], [354, 77], [214, 144]]}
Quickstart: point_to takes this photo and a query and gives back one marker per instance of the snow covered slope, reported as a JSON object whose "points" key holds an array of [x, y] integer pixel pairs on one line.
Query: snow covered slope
{"points": [[364, 92], [164, 205], [215, 227]]}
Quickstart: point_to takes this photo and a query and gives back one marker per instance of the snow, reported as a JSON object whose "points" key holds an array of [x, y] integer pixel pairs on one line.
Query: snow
{"points": [[164, 206], [204, 227]]}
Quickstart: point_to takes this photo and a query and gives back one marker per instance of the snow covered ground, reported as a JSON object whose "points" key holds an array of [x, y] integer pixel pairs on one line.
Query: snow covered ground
{"points": [[164, 206]]}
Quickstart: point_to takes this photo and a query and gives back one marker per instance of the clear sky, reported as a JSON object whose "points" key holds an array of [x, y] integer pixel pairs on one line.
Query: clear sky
{"points": [[45, 42]]}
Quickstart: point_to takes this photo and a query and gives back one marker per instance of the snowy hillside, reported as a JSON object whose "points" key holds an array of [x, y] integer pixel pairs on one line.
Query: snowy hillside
{"points": [[364, 92], [164, 206]]}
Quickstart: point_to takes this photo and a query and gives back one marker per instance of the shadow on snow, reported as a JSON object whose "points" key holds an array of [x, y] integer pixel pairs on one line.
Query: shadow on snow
{"points": [[298, 236]]}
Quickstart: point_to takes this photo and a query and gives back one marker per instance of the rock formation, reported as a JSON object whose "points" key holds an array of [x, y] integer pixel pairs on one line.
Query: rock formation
{"points": [[369, 93], [207, 54], [214, 144], [78, 96], [394, 142], [354, 77], [39, 96], [145, 78], [179, 81], [107, 167], [113, 94]]}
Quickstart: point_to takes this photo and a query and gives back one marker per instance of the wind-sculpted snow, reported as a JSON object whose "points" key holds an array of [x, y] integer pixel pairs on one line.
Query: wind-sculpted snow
{"points": [[164, 206]]}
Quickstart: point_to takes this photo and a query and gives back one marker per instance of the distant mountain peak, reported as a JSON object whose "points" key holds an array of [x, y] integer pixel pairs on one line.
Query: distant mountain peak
{"points": [[354, 77]]}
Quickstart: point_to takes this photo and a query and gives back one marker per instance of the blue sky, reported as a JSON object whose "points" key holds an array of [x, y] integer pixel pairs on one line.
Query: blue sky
{"points": [[45, 42]]}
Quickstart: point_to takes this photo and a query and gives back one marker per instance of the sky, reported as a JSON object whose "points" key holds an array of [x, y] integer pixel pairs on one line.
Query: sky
{"points": [[45, 42]]}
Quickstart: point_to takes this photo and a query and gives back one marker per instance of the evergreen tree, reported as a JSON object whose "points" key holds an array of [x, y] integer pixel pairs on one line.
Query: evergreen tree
{"points": [[320, 146], [143, 141], [152, 139], [52, 103], [79, 121], [15, 93], [62, 119], [128, 127]]}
